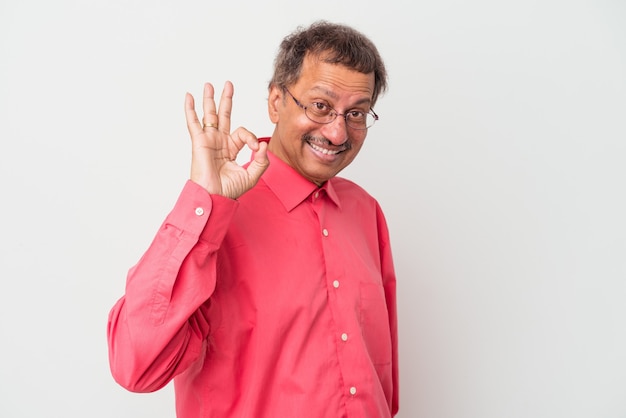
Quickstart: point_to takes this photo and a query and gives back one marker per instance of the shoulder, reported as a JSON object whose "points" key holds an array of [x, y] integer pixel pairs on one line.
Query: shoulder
{"points": [[343, 185], [348, 188], [352, 195]]}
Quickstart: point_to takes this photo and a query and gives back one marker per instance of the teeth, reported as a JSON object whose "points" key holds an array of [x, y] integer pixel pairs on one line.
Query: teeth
{"points": [[324, 150]]}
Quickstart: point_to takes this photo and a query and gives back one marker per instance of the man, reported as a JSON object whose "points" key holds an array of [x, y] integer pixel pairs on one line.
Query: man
{"points": [[269, 290]]}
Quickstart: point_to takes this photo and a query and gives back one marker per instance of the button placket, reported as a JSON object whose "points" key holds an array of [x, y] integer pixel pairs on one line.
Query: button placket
{"points": [[343, 337]]}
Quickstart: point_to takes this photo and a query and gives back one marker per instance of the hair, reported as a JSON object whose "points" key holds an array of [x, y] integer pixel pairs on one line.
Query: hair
{"points": [[331, 43]]}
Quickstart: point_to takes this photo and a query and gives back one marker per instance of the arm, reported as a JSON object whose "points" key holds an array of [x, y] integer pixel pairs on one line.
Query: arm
{"points": [[389, 284], [156, 330]]}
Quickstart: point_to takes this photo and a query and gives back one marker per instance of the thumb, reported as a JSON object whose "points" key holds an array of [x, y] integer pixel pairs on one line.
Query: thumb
{"points": [[260, 162]]}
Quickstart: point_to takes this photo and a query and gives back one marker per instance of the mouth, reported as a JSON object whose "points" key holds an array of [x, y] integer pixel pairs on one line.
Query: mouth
{"points": [[324, 146]]}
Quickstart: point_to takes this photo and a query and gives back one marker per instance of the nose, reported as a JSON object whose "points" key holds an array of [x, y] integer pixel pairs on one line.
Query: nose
{"points": [[336, 131]]}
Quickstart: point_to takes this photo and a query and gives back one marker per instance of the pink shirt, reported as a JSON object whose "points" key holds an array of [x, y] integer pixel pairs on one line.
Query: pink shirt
{"points": [[279, 304]]}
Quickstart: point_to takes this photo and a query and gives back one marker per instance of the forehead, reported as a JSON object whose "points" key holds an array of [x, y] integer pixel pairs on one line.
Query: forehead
{"points": [[333, 80]]}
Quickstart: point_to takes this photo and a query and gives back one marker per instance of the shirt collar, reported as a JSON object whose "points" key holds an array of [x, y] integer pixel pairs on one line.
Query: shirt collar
{"points": [[289, 185]]}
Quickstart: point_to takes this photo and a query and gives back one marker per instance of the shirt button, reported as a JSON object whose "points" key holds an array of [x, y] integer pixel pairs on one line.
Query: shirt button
{"points": [[199, 211], [336, 284], [352, 391], [317, 194], [325, 232], [344, 337]]}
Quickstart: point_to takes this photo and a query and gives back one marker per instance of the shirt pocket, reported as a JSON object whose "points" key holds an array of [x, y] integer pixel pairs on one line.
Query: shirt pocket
{"points": [[375, 323]]}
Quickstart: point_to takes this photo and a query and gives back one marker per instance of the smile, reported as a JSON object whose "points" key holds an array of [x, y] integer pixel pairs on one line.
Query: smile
{"points": [[321, 145], [325, 150]]}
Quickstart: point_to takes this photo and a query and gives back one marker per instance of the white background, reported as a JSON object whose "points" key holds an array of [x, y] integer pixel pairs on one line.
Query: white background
{"points": [[499, 160]]}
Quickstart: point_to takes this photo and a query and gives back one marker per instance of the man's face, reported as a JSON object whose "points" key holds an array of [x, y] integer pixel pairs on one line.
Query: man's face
{"points": [[319, 151]]}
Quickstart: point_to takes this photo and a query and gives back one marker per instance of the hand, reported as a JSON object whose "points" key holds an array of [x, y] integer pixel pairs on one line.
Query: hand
{"points": [[214, 148]]}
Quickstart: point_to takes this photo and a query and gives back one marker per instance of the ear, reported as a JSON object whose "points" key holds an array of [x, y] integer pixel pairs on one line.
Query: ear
{"points": [[274, 102]]}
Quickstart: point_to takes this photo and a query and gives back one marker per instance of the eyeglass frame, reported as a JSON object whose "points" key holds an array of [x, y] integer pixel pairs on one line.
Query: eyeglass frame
{"points": [[333, 111]]}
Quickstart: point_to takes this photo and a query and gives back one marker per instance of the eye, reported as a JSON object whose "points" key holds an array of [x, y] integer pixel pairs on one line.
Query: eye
{"points": [[356, 115], [320, 108]]}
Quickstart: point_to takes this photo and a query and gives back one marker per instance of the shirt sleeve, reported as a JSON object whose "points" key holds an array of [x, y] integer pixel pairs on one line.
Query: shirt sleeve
{"points": [[157, 329], [389, 284]]}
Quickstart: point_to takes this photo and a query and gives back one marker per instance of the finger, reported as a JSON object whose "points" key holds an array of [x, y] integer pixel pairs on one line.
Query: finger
{"points": [[193, 124], [209, 116], [240, 138], [226, 106], [260, 162]]}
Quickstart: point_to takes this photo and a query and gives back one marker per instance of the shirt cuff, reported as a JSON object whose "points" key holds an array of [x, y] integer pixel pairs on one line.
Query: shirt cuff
{"points": [[201, 214]]}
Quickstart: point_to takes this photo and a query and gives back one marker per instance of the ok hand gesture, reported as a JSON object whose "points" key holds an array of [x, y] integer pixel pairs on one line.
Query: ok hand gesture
{"points": [[214, 147]]}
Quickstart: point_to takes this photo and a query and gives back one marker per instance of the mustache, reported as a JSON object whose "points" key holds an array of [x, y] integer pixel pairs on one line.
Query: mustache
{"points": [[326, 142]]}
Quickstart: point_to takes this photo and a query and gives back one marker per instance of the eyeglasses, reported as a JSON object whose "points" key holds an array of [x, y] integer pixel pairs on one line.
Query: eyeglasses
{"points": [[320, 112]]}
